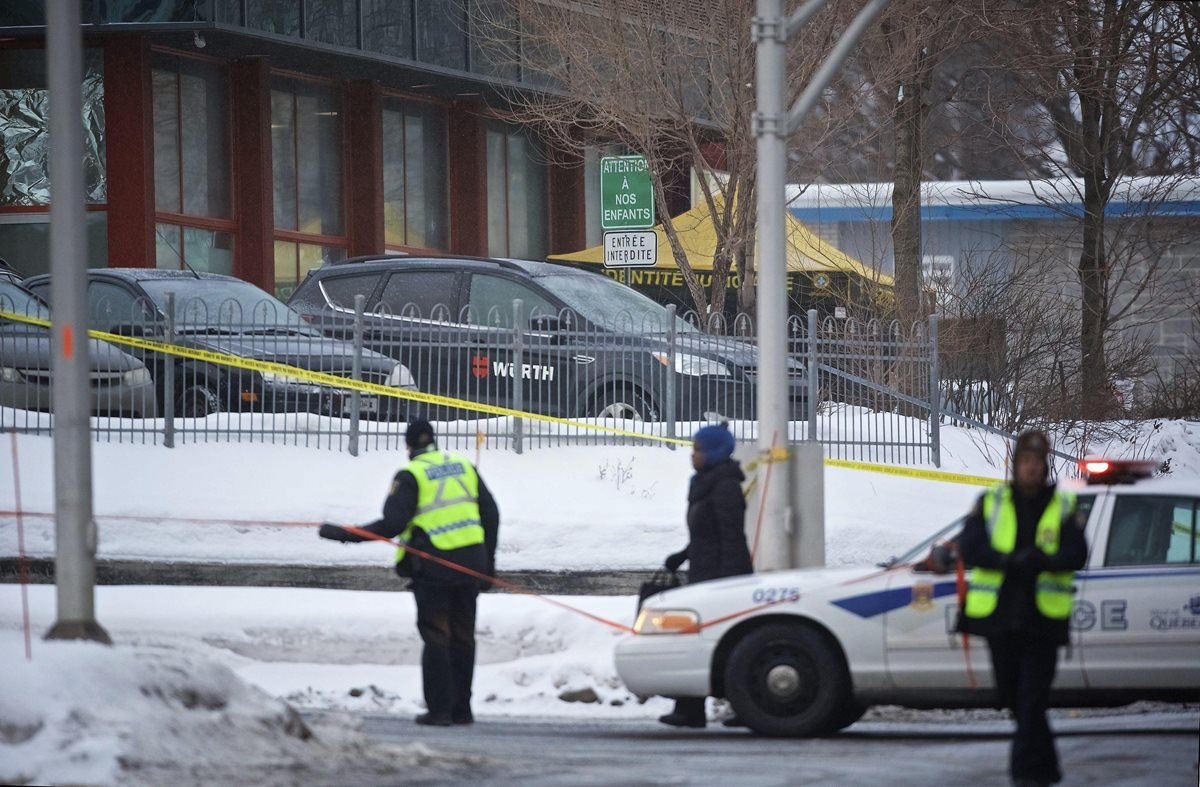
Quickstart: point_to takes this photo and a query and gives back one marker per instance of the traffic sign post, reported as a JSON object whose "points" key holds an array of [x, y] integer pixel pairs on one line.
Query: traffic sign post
{"points": [[626, 193]]}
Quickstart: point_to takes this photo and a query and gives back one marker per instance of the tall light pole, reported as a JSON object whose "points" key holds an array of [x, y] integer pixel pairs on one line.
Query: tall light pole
{"points": [[778, 546], [75, 530]]}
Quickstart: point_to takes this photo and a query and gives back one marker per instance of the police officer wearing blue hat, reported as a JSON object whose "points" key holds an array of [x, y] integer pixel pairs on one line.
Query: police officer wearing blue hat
{"points": [[716, 520]]}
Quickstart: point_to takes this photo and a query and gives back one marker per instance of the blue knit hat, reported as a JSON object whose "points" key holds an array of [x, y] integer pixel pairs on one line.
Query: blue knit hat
{"points": [[716, 443]]}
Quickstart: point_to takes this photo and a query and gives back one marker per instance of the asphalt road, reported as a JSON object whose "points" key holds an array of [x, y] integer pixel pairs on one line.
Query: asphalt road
{"points": [[1153, 750]]}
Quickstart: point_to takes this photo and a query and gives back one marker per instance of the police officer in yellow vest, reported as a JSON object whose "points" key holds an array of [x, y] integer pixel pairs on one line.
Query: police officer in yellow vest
{"points": [[1025, 542], [439, 505]]}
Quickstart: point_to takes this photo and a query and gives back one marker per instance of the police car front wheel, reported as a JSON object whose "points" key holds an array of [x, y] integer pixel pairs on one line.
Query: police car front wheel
{"points": [[787, 680]]}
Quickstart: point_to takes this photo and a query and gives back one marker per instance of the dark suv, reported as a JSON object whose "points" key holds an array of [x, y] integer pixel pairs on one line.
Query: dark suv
{"points": [[233, 317], [587, 345]]}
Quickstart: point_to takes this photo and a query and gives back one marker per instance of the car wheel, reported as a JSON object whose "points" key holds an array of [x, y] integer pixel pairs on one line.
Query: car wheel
{"points": [[626, 403], [848, 714], [196, 401], [786, 680]]}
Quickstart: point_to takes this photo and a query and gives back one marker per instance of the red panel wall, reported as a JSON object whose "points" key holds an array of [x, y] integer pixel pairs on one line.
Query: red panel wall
{"points": [[129, 150]]}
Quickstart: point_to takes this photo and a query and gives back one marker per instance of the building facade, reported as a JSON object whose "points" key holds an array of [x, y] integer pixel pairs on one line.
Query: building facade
{"points": [[261, 138]]}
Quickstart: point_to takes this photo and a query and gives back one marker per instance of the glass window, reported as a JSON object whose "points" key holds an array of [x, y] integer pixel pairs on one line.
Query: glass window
{"points": [[495, 41], [199, 249], [516, 198], [147, 11], [24, 112], [19, 13], [1182, 547], [25, 241], [427, 294], [274, 16], [341, 290], [113, 308], [1151, 530], [491, 301], [388, 27], [230, 12], [191, 138], [306, 137], [294, 260], [15, 300], [414, 175], [332, 21], [442, 33], [605, 302]]}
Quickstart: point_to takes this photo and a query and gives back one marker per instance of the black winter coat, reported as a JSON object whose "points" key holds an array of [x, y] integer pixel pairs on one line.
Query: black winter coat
{"points": [[1016, 606], [716, 520]]}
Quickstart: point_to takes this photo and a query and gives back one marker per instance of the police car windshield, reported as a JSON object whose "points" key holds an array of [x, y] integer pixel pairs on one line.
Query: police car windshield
{"points": [[602, 301], [922, 549], [223, 304]]}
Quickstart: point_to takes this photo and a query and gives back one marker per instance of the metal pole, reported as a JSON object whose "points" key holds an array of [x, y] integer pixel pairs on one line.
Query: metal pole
{"points": [[935, 394], [812, 375], [518, 380], [75, 531], [168, 377], [775, 550], [360, 305], [672, 414]]}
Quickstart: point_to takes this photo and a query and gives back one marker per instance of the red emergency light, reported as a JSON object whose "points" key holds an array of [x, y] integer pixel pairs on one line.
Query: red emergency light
{"points": [[1116, 471]]}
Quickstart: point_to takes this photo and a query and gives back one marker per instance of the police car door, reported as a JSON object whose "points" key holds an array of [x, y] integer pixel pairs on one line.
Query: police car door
{"points": [[504, 354], [1139, 609]]}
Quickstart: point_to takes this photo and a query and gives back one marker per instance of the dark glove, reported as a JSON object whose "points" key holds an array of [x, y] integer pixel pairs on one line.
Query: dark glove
{"points": [[334, 533], [675, 560], [941, 559], [1028, 559]]}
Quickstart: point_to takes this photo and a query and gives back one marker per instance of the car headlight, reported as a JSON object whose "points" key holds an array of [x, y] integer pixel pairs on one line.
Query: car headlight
{"points": [[138, 376], [9, 374], [667, 621], [401, 377], [694, 365], [272, 378]]}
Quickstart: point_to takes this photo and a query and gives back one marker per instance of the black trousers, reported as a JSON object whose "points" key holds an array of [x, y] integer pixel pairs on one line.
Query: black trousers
{"points": [[1024, 669], [446, 622]]}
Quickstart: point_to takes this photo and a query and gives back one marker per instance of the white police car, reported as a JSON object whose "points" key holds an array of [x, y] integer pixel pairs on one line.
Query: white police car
{"points": [[805, 652]]}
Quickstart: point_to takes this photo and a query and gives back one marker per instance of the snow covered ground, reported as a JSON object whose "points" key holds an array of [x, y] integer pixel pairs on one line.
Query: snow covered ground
{"points": [[201, 683]]}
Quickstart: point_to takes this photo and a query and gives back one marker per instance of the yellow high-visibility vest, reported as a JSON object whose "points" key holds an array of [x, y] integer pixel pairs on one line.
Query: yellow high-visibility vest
{"points": [[447, 502]]}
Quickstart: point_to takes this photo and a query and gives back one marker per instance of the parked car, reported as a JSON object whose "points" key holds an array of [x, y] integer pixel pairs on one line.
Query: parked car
{"points": [[119, 384], [805, 652], [230, 316], [589, 346]]}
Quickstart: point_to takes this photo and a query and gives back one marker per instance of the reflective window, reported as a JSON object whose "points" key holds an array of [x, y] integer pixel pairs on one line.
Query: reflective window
{"points": [[113, 308], [148, 11], [414, 175], [294, 260], [427, 294], [495, 41], [388, 27], [341, 290], [191, 138], [274, 16], [199, 249], [491, 302], [18, 13], [24, 110], [1152, 530], [442, 33], [306, 153], [332, 21], [516, 193], [25, 241]]}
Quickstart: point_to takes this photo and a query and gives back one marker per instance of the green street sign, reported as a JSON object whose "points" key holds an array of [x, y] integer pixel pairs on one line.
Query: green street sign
{"points": [[626, 195]]}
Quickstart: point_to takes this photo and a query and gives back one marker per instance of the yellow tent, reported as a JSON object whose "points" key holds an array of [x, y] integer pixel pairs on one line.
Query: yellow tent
{"points": [[806, 252]]}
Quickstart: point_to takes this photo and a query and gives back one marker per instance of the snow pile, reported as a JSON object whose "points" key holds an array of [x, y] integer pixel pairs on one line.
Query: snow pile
{"points": [[82, 713]]}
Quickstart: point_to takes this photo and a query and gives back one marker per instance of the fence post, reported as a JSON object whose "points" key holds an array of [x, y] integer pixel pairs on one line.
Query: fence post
{"points": [[935, 395], [168, 381], [360, 302], [669, 410], [518, 380], [813, 388]]}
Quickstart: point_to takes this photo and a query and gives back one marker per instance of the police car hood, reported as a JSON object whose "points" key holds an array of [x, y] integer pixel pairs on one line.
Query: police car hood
{"points": [[733, 594]]}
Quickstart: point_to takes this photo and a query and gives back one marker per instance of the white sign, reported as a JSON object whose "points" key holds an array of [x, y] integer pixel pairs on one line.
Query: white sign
{"points": [[630, 249]]}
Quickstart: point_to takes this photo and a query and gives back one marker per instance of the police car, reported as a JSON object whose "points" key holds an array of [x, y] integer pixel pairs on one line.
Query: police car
{"points": [[806, 652]]}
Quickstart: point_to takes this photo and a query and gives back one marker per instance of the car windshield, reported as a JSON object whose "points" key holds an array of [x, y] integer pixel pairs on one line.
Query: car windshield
{"points": [[225, 306], [18, 301], [605, 302], [922, 549]]}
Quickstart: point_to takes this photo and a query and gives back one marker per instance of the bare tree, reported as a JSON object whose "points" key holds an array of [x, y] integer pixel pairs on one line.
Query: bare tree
{"points": [[1117, 84]]}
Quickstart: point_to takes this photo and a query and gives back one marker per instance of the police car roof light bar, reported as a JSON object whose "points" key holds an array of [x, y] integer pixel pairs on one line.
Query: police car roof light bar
{"points": [[1116, 471]]}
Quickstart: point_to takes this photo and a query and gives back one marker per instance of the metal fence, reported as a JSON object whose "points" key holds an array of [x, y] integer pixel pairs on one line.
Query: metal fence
{"points": [[862, 389]]}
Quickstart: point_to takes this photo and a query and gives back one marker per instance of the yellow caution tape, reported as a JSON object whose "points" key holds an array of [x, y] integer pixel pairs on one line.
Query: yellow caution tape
{"points": [[343, 383], [912, 472]]}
